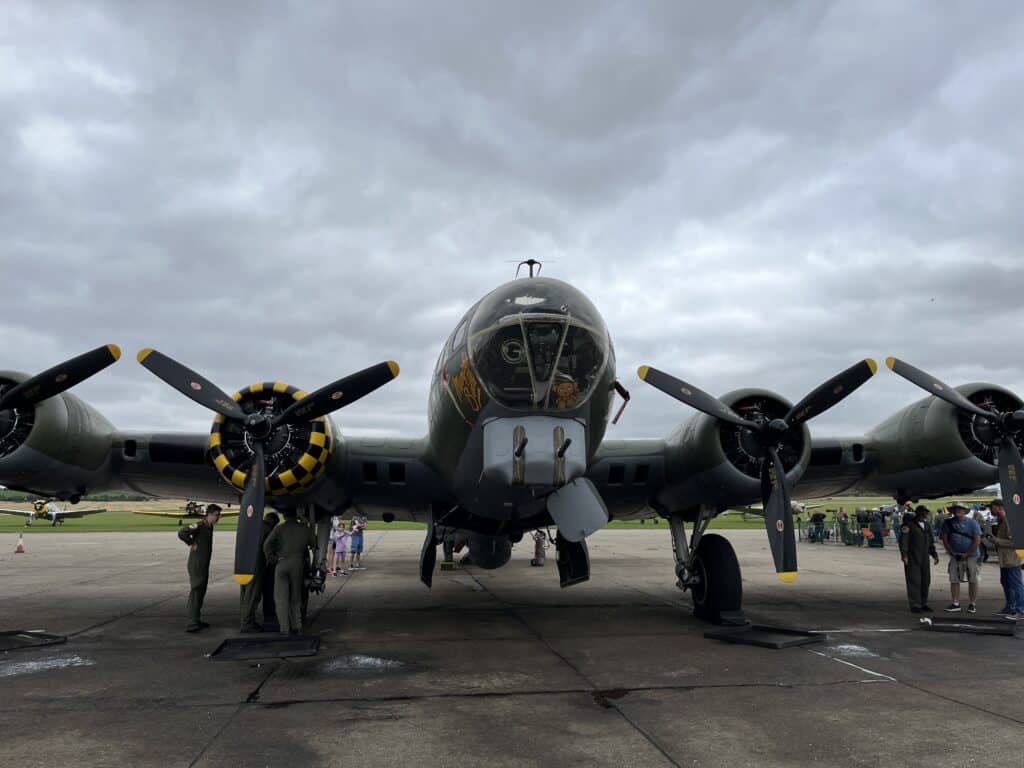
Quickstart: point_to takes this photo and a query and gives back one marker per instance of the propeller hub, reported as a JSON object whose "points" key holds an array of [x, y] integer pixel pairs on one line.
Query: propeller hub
{"points": [[778, 426], [257, 426], [275, 445], [751, 444], [987, 431]]}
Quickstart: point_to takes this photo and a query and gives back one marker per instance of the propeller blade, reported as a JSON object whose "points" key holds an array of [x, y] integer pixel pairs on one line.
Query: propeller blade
{"points": [[250, 519], [1011, 485], [339, 394], [55, 380], [831, 392], [778, 516], [189, 383], [693, 397], [935, 387]]}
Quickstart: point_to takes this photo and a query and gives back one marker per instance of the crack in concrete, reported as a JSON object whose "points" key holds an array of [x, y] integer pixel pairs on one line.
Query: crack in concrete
{"points": [[594, 690], [608, 694]]}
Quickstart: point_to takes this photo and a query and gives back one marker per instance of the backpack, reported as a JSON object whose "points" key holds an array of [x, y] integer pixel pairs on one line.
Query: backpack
{"points": [[188, 534]]}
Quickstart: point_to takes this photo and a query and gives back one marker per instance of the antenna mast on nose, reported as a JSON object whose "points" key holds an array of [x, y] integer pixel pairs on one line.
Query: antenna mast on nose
{"points": [[531, 263]]}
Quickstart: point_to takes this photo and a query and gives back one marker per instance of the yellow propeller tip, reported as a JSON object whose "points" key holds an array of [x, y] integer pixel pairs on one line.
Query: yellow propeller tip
{"points": [[144, 353], [890, 362], [394, 368], [872, 365], [642, 372], [115, 351], [787, 577], [243, 578], [1020, 553]]}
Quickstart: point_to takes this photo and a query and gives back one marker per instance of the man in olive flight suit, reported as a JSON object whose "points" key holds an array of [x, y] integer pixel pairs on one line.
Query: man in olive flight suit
{"points": [[286, 546], [199, 537], [252, 593], [916, 544]]}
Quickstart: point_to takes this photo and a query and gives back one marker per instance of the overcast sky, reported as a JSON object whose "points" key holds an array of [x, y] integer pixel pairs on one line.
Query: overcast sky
{"points": [[296, 190]]}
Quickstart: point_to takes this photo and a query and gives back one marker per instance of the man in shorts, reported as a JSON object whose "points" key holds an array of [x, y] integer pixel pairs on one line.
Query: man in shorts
{"points": [[961, 537]]}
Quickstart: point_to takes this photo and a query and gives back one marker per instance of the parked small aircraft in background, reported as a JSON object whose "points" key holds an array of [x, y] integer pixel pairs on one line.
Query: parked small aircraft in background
{"points": [[193, 511], [47, 509]]}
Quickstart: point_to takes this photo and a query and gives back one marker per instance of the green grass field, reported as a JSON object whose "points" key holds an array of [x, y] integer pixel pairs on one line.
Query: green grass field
{"points": [[121, 517]]}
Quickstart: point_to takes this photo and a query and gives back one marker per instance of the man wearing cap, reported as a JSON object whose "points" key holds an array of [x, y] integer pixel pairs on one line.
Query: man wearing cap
{"points": [[199, 537], [916, 545], [961, 537], [1009, 563]]}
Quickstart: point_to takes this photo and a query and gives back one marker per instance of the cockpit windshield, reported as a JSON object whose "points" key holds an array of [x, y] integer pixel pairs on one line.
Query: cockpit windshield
{"points": [[539, 359]]}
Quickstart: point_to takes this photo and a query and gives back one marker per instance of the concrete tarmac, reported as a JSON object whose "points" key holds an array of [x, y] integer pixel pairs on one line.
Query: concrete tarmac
{"points": [[498, 668]]}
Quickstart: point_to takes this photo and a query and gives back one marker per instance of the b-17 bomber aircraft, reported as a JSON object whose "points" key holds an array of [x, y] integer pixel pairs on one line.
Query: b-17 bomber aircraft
{"points": [[48, 509], [518, 409]]}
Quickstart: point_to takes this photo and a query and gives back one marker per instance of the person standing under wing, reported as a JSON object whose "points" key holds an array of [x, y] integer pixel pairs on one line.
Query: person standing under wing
{"points": [[286, 546], [916, 545], [1009, 563]]}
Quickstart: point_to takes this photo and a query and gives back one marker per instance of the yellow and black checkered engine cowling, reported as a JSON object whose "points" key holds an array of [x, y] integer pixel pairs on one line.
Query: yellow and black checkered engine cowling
{"points": [[295, 456]]}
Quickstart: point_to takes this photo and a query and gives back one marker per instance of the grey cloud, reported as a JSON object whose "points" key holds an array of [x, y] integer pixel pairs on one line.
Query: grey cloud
{"points": [[750, 196]]}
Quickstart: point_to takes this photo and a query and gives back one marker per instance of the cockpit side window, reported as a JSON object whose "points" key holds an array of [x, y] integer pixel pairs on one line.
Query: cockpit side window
{"points": [[459, 337]]}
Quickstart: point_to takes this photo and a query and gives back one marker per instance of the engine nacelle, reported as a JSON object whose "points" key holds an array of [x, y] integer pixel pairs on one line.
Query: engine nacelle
{"points": [[489, 552], [59, 440], [296, 455], [930, 448], [718, 463]]}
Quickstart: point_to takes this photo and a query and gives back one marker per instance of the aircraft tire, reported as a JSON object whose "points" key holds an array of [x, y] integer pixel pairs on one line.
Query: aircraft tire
{"points": [[721, 584]]}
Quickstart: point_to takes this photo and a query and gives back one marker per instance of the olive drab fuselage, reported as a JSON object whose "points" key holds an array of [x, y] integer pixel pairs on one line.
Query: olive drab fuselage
{"points": [[533, 348]]}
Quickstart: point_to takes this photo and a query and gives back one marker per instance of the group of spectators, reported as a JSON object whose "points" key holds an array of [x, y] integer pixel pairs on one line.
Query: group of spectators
{"points": [[961, 536], [346, 542]]}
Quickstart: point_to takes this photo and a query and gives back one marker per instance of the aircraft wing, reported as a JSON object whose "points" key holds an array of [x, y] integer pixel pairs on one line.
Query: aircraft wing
{"points": [[642, 477], [379, 477], [180, 515], [79, 512], [23, 512]]}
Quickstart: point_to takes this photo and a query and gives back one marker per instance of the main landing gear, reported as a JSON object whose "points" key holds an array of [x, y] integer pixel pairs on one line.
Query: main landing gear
{"points": [[706, 565]]}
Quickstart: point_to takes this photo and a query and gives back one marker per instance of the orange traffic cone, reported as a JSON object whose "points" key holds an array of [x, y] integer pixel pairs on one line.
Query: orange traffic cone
{"points": [[20, 549]]}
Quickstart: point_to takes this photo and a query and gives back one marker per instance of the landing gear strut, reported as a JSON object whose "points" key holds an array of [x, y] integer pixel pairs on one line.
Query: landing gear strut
{"points": [[706, 565]]}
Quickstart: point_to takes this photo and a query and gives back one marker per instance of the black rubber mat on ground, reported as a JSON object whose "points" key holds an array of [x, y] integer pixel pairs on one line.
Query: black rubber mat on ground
{"points": [[1006, 627], [20, 639], [265, 647], [764, 636]]}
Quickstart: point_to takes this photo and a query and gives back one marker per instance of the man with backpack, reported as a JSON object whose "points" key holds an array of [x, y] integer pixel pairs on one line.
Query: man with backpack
{"points": [[199, 537]]}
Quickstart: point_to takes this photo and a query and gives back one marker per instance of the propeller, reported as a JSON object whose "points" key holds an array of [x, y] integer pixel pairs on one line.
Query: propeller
{"points": [[260, 428], [59, 378], [1002, 429], [769, 435]]}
